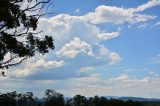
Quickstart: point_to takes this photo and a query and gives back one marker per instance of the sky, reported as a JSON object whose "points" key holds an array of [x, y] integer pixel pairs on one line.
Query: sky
{"points": [[102, 47]]}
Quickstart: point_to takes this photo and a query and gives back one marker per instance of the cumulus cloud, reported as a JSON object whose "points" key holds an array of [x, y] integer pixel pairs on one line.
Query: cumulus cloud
{"points": [[77, 35], [78, 40], [32, 66], [49, 64], [119, 15], [113, 56], [122, 85], [80, 47], [74, 47], [145, 6], [124, 78], [107, 36], [64, 28]]}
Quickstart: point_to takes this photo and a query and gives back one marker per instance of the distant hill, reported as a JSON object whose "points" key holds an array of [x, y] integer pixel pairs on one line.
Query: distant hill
{"points": [[139, 99]]}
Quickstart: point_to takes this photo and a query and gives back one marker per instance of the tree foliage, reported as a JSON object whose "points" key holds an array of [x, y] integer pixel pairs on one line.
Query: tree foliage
{"points": [[53, 98], [18, 35]]}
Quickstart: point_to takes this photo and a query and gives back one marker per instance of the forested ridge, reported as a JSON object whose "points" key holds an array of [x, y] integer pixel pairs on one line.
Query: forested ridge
{"points": [[53, 98]]}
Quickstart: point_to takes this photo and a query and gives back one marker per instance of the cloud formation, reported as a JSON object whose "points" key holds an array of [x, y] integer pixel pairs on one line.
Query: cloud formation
{"points": [[78, 38], [157, 24], [74, 47], [81, 47], [119, 15], [122, 85], [33, 66], [145, 6]]}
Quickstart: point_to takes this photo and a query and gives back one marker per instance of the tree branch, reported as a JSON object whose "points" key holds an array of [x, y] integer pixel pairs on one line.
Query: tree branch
{"points": [[9, 60], [13, 64], [42, 2]]}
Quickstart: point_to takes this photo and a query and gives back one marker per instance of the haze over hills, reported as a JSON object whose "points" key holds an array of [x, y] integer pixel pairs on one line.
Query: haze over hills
{"points": [[125, 98], [139, 99]]}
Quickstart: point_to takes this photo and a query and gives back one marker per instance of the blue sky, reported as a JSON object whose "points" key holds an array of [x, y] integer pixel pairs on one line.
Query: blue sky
{"points": [[103, 47]]}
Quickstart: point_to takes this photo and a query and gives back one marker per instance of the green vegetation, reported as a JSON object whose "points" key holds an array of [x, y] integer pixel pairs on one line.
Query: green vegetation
{"points": [[52, 98], [151, 103], [18, 35]]}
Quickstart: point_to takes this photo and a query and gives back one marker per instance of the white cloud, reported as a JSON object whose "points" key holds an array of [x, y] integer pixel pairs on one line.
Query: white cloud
{"points": [[104, 14], [74, 35], [92, 85], [45, 81], [142, 26], [107, 36], [65, 28], [86, 69], [157, 24], [124, 78], [77, 10], [32, 66], [119, 15], [103, 51], [93, 79], [49, 64], [122, 85], [74, 47], [73, 26], [113, 56], [149, 4]]}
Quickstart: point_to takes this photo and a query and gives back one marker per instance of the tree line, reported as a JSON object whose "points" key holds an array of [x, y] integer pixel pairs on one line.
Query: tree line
{"points": [[53, 98]]}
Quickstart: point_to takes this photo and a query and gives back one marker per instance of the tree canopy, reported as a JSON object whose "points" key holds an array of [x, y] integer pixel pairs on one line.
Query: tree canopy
{"points": [[18, 31], [53, 98]]}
